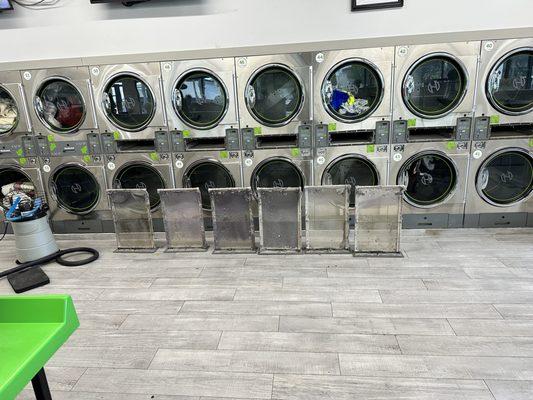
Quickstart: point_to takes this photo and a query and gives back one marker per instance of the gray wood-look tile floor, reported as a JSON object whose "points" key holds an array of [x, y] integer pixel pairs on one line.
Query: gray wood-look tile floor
{"points": [[452, 320]]}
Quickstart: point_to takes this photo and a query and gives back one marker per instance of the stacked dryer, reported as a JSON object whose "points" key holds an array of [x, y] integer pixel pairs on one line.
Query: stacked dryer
{"points": [[68, 143], [352, 112], [18, 161], [501, 172], [434, 90], [274, 94]]}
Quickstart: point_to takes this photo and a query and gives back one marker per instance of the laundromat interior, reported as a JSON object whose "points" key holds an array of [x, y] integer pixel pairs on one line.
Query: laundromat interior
{"points": [[242, 200]]}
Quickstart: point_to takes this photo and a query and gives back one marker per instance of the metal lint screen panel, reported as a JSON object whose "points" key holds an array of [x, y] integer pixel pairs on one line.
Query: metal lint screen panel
{"points": [[233, 228], [132, 219], [326, 217], [183, 219], [280, 222], [378, 219]]}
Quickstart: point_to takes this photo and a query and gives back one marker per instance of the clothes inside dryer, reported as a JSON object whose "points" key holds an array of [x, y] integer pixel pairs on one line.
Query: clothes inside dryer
{"points": [[9, 114], [509, 86], [351, 170], [129, 102], [75, 189], [352, 91], [276, 173], [14, 182], [141, 176], [434, 86], [200, 99], [506, 177], [59, 105], [207, 175], [274, 96], [429, 179]]}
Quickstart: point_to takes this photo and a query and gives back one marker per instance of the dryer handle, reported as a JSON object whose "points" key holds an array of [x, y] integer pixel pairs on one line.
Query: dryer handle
{"points": [[250, 95], [106, 102], [178, 100], [38, 104]]}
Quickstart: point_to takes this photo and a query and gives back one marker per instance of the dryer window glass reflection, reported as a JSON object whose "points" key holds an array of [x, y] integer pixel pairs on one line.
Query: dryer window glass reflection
{"points": [[277, 173], [9, 114], [429, 179], [510, 84], [76, 189], [506, 178], [353, 171], [352, 91], [60, 106], [129, 102], [205, 176], [274, 96], [434, 86], [200, 100], [139, 176]]}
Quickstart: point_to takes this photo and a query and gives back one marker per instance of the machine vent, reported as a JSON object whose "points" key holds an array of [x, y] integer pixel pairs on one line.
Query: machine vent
{"points": [[217, 143], [351, 137], [431, 134], [276, 141]]}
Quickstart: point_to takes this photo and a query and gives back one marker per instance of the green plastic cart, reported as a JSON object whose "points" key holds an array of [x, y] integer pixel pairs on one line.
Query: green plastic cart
{"points": [[32, 329]]}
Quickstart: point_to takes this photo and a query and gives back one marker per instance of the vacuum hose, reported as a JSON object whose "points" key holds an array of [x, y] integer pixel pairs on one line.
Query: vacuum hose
{"points": [[57, 257]]}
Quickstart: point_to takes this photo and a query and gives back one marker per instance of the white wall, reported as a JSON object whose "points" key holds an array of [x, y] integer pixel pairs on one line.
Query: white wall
{"points": [[79, 29]]}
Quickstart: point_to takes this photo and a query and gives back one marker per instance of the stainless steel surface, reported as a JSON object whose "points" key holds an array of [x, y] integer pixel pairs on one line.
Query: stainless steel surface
{"points": [[183, 219], [326, 217], [11, 82], [378, 219], [280, 219], [233, 227], [132, 219]]}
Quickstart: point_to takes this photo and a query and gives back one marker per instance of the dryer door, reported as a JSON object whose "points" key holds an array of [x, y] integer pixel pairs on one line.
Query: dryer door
{"points": [[9, 113], [506, 177], [13, 181], [429, 178], [277, 172], [351, 170], [75, 189], [207, 175], [141, 176]]}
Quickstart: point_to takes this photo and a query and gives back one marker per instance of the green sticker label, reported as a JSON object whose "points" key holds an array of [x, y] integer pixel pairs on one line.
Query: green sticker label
{"points": [[186, 133], [116, 135], [411, 122], [530, 142], [87, 159], [494, 119], [51, 138], [295, 152], [224, 154], [257, 130], [84, 150], [53, 146], [332, 127], [370, 148], [23, 161], [154, 156], [20, 153], [451, 145]]}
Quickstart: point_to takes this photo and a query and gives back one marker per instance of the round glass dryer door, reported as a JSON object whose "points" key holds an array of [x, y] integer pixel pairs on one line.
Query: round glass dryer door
{"points": [[75, 189], [200, 99], [277, 173], [429, 179], [510, 83], [434, 86], [60, 106], [9, 175], [352, 91], [141, 176], [353, 171], [129, 102], [9, 113], [506, 178], [208, 175], [274, 96]]}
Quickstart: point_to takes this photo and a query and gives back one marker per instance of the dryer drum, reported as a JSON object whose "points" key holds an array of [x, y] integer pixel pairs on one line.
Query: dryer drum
{"points": [[207, 175], [351, 170], [429, 179], [9, 114], [129, 102], [75, 189], [276, 173], [141, 176], [434, 86], [352, 91], [59, 105], [8, 177], [506, 178], [200, 99], [509, 86], [274, 96]]}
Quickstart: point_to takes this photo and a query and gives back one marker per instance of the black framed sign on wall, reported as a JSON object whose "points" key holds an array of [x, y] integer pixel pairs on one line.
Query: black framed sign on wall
{"points": [[364, 5]]}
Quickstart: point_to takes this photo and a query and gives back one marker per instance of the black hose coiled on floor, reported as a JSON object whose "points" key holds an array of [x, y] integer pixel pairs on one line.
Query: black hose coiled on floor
{"points": [[57, 257]]}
